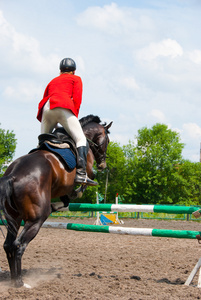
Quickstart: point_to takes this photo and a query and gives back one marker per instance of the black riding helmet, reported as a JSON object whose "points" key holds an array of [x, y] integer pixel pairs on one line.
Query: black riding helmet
{"points": [[67, 64]]}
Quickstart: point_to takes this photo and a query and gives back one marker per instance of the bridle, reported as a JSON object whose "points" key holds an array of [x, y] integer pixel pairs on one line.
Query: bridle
{"points": [[95, 148]]}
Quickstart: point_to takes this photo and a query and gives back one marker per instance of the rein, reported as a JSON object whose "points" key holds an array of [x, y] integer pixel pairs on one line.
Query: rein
{"points": [[90, 141]]}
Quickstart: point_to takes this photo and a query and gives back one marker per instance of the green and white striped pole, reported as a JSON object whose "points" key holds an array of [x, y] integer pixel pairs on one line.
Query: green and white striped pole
{"points": [[169, 209], [181, 234]]}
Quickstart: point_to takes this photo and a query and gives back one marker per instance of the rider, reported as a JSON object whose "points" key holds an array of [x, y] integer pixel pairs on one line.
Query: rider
{"points": [[60, 104]]}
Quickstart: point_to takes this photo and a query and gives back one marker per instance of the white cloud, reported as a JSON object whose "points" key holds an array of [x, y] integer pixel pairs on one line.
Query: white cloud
{"points": [[21, 51], [130, 83], [158, 115], [191, 137], [23, 91], [192, 130], [114, 20], [195, 56], [165, 48], [103, 18]]}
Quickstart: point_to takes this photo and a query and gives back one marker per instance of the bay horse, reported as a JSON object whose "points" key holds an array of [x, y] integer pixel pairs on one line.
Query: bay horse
{"points": [[31, 181]]}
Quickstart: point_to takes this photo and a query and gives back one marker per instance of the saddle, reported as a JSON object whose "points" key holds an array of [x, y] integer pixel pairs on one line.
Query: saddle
{"points": [[60, 144]]}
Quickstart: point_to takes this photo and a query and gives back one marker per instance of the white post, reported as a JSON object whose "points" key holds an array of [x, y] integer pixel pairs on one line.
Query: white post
{"points": [[97, 222], [193, 273], [199, 278], [117, 217], [106, 184]]}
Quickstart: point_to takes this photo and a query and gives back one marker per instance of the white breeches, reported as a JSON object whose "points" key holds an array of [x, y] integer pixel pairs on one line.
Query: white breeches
{"points": [[67, 119]]}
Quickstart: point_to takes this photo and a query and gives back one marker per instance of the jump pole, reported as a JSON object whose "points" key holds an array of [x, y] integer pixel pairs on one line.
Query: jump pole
{"points": [[181, 234], [169, 209]]}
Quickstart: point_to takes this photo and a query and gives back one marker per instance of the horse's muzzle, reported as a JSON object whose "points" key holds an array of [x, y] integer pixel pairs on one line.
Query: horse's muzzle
{"points": [[101, 166]]}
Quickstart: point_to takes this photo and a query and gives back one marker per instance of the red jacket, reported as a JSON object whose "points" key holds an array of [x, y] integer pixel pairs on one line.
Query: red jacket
{"points": [[63, 91]]}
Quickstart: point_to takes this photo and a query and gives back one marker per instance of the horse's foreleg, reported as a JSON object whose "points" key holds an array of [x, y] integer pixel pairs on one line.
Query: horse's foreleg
{"points": [[78, 192], [63, 206]]}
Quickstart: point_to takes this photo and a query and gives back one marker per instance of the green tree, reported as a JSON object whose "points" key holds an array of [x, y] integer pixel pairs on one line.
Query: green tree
{"points": [[7, 148], [131, 192], [115, 173], [188, 183], [152, 164]]}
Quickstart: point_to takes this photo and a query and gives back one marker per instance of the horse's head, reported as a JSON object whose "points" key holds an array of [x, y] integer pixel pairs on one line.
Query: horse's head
{"points": [[97, 136], [99, 146]]}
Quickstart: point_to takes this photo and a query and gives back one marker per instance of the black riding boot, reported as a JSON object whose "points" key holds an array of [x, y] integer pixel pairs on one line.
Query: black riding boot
{"points": [[81, 174]]}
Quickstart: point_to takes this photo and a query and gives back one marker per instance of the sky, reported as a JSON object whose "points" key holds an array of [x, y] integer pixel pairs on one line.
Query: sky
{"points": [[139, 60]]}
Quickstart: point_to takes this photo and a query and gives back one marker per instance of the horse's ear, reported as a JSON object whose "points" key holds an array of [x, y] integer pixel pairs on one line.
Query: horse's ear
{"points": [[109, 125]]}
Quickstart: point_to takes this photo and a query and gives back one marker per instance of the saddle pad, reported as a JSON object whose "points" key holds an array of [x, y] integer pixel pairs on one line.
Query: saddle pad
{"points": [[68, 157], [66, 154]]}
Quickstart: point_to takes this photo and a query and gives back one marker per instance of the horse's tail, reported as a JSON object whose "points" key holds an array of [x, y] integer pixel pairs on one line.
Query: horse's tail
{"points": [[6, 190]]}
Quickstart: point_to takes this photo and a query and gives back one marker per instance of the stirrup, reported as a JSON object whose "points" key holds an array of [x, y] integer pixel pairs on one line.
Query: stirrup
{"points": [[85, 180]]}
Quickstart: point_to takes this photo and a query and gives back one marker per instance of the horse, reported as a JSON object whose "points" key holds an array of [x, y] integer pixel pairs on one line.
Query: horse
{"points": [[29, 184]]}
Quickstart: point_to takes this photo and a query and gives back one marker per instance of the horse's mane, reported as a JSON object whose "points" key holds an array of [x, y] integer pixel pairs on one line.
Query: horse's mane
{"points": [[88, 119], [91, 118]]}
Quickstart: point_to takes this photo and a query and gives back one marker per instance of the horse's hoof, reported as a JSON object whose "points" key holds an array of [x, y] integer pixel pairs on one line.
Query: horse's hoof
{"points": [[198, 237], [79, 195], [19, 284], [27, 286]]}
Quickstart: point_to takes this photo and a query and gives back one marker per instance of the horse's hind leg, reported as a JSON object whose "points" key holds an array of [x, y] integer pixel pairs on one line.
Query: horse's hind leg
{"points": [[8, 247], [15, 252]]}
